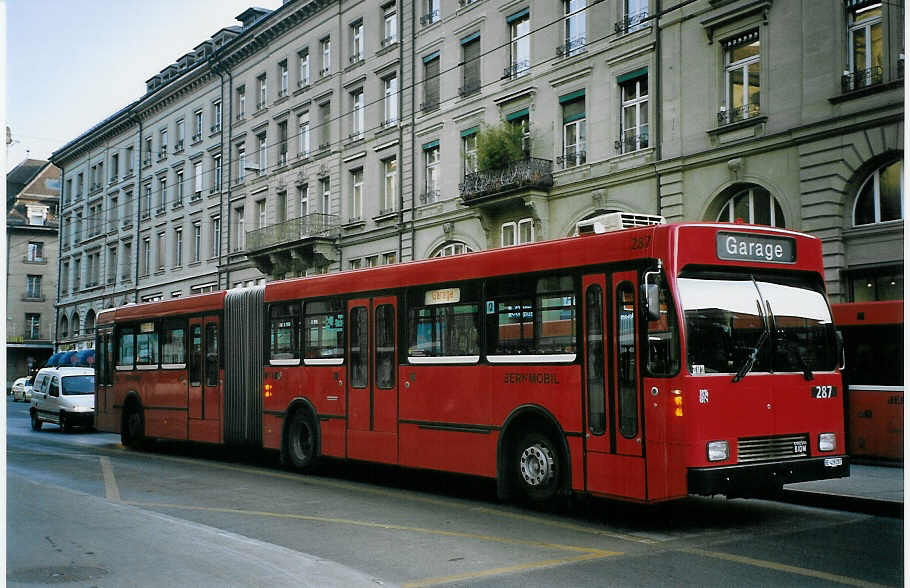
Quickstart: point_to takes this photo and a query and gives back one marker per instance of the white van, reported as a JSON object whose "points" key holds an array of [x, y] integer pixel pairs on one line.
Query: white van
{"points": [[65, 396]]}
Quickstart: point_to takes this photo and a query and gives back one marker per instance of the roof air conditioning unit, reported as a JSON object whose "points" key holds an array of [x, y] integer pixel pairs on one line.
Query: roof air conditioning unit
{"points": [[617, 221]]}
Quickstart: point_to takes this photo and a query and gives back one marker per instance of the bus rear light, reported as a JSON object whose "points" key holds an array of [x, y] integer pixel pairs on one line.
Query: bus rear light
{"points": [[267, 390], [718, 450], [677, 402], [827, 442]]}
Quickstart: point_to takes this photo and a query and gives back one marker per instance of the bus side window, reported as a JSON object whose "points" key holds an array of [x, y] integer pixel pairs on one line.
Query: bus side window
{"points": [[323, 330], [195, 355], [284, 328], [663, 338], [211, 354], [385, 346], [625, 359], [125, 347], [147, 344], [173, 349], [597, 412], [359, 347]]}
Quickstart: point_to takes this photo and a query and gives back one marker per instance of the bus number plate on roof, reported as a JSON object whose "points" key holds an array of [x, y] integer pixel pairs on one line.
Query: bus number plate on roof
{"points": [[750, 247]]}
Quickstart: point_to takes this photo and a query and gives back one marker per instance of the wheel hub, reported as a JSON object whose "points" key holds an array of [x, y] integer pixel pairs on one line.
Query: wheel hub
{"points": [[536, 465]]}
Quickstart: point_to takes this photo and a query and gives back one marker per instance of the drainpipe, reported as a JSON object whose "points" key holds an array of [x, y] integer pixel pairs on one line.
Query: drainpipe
{"points": [[659, 106], [218, 70], [227, 166], [138, 209], [59, 251], [413, 123], [400, 227]]}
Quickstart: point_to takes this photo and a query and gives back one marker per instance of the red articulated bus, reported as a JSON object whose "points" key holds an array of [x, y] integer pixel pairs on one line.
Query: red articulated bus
{"points": [[644, 363], [873, 377]]}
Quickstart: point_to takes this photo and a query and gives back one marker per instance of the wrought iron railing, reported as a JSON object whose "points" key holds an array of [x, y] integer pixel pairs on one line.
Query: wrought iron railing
{"points": [[861, 78], [572, 47], [572, 159], [632, 141], [531, 172], [725, 116], [631, 23], [469, 88], [519, 68], [304, 227], [429, 197], [429, 18]]}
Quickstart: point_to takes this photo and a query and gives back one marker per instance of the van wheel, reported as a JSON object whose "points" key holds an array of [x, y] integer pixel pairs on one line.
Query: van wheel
{"points": [[132, 430], [36, 422], [537, 467], [301, 441], [65, 425]]}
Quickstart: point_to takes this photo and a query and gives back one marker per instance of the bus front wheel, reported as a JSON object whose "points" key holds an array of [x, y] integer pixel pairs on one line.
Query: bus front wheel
{"points": [[537, 467], [301, 441], [133, 429]]}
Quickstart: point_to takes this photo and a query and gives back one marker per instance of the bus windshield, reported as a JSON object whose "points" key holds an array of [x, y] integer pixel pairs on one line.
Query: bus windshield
{"points": [[741, 322]]}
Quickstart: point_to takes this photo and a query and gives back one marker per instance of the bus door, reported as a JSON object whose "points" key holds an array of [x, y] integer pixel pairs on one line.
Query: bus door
{"points": [[372, 379], [614, 435], [204, 378]]}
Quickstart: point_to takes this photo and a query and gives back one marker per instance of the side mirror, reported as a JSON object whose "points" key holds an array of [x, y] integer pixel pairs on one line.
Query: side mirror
{"points": [[652, 301]]}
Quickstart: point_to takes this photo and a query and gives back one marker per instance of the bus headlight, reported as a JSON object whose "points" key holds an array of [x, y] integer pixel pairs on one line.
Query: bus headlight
{"points": [[718, 450], [827, 442]]}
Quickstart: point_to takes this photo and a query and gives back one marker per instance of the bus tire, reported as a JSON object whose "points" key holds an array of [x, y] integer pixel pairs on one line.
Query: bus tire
{"points": [[537, 466], [132, 430], [301, 441]]}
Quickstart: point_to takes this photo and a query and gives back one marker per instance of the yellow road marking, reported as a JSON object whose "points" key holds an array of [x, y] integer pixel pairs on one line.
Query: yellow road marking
{"points": [[771, 565], [111, 490], [385, 526], [562, 525], [501, 571]]}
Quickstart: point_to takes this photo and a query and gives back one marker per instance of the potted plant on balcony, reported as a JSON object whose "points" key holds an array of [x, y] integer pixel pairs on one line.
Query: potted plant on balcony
{"points": [[499, 146]]}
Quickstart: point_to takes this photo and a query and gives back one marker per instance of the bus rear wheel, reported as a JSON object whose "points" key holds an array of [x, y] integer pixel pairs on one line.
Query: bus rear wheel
{"points": [[537, 466], [133, 428], [301, 441]]}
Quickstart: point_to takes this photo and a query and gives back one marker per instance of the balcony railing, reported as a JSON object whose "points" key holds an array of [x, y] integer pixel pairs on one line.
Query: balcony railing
{"points": [[389, 41], [572, 47], [862, 78], [527, 173], [470, 88], [429, 18], [631, 23], [429, 106], [631, 141], [572, 159], [725, 117], [429, 197], [304, 227], [519, 68]]}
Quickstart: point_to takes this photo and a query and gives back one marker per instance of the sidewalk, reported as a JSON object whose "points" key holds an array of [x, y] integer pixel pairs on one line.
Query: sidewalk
{"points": [[869, 489]]}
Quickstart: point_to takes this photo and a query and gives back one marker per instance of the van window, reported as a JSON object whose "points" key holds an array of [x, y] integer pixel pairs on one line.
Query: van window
{"points": [[54, 388]]}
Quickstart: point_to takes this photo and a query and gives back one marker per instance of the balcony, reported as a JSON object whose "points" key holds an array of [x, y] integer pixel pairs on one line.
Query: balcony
{"points": [[631, 23], [631, 141], [294, 245], [528, 174], [517, 69], [572, 47], [734, 115], [429, 18], [860, 79], [572, 159]]}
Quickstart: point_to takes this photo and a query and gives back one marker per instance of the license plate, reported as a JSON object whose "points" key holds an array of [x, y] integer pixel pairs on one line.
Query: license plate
{"points": [[834, 462]]}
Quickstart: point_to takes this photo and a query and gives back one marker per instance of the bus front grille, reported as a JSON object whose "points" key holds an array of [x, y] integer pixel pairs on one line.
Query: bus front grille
{"points": [[753, 449]]}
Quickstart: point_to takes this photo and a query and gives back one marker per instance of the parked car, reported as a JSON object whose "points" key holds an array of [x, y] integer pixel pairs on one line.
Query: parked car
{"points": [[64, 396], [22, 390]]}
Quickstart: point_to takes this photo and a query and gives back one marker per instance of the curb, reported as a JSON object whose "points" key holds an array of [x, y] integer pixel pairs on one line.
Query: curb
{"points": [[871, 506]]}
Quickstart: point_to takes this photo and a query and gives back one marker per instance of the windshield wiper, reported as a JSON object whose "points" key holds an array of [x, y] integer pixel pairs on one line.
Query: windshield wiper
{"points": [[807, 373], [750, 361]]}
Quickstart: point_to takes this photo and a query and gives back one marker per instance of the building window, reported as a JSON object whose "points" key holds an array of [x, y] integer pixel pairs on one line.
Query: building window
{"points": [[634, 115], [470, 69], [326, 191], [469, 151], [263, 92], [372, 260], [575, 27], [181, 136], [197, 241], [263, 154], [517, 233], [325, 46], [356, 194], [162, 149], [357, 114], [260, 214], [390, 185], [430, 82], [431, 12], [216, 116], [162, 194], [33, 325], [241, 162], [303, 200], [197, 177], [35, 251], [115, 159], [880, 199], [389, 258], [281, 206], [147, 203], [522, 119], [240, 232], [241, 101], [216, 236], [112, 265], [146, 255], [390, 100], [304, 69], [33, 286], [282, 143], [635, 16], [303, 136], [864, 21], [325, 126], [114, 214], [754, 205], [878, 284], [197, 126], [573, 129], [431, 172], [742, 73], [160, 252], [130, 163], [520, 44], [451, 248], [126, 273], [283, 79], [355, 264], [178, 247], [389, 25], [356, 41], [217, 167]]}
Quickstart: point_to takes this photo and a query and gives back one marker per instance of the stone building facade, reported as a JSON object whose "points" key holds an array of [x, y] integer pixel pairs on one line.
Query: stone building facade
{"points": [[327, 135]]}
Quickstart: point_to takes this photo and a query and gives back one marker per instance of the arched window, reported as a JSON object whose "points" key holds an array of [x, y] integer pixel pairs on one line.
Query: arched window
{"points": [[89, 322], [64, 326], [879, 200], [451, 248], [75, 322], [754, 205]]}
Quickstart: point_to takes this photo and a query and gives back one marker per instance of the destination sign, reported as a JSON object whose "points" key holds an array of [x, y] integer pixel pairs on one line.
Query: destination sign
{"points": [[751, 247]]}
